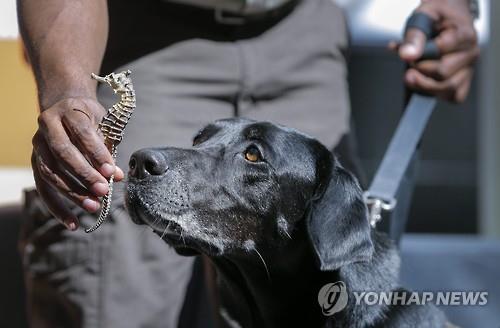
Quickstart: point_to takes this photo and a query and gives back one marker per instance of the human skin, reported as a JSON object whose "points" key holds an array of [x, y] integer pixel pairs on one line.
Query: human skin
{"points": [[65, 41], [448, 77]]}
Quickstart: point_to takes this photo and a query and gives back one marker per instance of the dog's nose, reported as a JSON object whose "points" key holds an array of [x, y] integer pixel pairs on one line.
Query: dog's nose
{"points": [[147, 162]]}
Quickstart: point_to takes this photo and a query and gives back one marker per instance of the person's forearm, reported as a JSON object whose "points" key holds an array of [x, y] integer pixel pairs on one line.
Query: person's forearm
{"points": [[65, 41]]}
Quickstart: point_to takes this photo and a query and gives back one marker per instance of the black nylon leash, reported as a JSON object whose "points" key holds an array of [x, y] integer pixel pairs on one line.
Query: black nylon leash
{"points": [[381, 195]]}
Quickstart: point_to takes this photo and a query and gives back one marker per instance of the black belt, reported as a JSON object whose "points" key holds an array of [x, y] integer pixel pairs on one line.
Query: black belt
{"points": [[224, 17]]}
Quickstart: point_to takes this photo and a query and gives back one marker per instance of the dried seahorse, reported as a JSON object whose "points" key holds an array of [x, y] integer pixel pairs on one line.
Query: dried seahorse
{"points": [[113, 125]]}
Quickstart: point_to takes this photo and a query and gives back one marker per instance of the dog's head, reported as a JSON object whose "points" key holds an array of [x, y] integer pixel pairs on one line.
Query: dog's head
{"points": [[249, 185]]}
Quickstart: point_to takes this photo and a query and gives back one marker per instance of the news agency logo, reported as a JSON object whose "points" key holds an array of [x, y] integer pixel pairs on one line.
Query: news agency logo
{"points": [[333, 298], [406, 298]]}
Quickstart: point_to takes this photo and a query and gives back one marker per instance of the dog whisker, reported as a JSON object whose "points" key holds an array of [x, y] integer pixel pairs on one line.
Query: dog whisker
{"points": [[249, 245], [263, 262], [165, 231], [183, 240], [287, 234], [283, 227], [156, 221]]}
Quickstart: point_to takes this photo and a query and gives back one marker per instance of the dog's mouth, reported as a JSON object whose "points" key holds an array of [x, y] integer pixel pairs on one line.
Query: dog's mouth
{"points": [[163, 227], [166, 229], [179, 226]]}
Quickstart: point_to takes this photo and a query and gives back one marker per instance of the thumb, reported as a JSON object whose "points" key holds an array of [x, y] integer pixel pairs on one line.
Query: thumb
{"points": [[413, 45]]}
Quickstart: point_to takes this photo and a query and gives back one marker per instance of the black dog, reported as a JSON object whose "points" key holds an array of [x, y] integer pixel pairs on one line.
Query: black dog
{"points": [[279, 217]]}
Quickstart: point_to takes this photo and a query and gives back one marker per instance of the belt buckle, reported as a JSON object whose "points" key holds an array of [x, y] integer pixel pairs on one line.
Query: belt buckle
{"points": [[224, 17]]}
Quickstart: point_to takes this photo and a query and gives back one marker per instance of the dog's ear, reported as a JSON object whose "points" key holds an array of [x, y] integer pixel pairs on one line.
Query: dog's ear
{"points": [[337, 223]]}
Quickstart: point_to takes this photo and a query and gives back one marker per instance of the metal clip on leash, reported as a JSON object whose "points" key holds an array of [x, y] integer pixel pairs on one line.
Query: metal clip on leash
{"points": [[381, 196]]}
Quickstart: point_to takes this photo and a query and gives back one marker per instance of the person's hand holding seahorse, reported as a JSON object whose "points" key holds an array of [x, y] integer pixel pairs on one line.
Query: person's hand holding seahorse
{"points": [[69, 156]]}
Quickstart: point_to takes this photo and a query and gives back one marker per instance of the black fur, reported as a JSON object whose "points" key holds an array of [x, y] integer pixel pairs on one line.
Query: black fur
{"points": [[277, 230]]}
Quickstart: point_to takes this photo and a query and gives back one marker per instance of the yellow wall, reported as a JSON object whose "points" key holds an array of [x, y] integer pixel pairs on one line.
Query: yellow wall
{"points": [[18, 106]]}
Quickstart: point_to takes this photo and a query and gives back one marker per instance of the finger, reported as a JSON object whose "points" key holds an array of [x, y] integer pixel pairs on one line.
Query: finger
{"points": [[413, 45], [51, 173], [119, 175], [69, 157], [53, 201], [85, 136], [453, 39], [393, 46], [448, 65], [463, 91], [444, 89]]}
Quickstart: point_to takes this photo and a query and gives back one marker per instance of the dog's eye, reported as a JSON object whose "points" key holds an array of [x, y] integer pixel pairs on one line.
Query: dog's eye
{"points": [[197, 139], [252, 154]]}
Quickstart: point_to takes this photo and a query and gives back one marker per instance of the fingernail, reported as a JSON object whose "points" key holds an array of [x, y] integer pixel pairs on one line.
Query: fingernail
{"points": [[410, 78], [90, 205], [100, 189], [70, 224], [107, 169], [119, 173], [409, 50]]}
